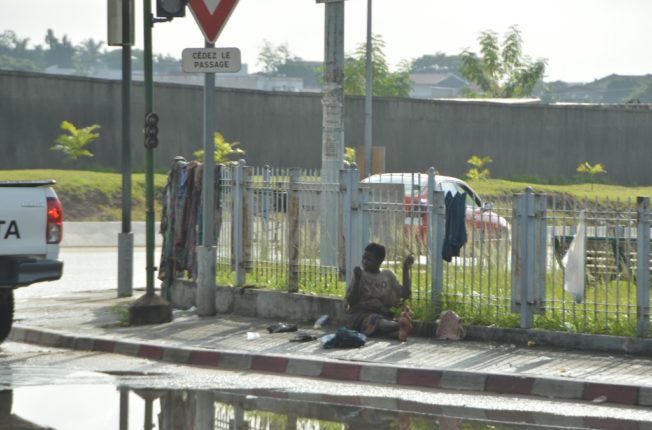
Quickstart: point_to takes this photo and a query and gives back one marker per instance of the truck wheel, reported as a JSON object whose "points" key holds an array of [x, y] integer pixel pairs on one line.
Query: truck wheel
{"points": [[6, 312]]}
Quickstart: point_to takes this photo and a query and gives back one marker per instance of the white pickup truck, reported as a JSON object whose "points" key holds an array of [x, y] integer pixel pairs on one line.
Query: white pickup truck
{"points": [[30, 231]]}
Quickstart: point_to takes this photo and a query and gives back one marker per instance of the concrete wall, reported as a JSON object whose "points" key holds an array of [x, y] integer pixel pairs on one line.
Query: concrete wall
{"points": [[284, 129]]}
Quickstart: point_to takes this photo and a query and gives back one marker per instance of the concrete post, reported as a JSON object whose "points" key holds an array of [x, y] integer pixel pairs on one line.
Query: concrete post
{"points": [[204, 410], [528, 256], [205, 301], [125, 264], [124, 408], [357, 225], [436, 232], [642, 266], [237, 223], [345, 180]]}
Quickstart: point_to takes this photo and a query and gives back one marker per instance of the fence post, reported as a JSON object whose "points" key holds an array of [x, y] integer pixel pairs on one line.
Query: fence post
{"points": [[248, 219], [642, 266], [436, 232], [365, 191], [237, 223], [357, 222], [528, 255], [293, 231], [265, 208], [347, 221]]}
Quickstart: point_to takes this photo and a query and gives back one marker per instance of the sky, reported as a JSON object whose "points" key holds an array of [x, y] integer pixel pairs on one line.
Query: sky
{"points": [[582, 40]]}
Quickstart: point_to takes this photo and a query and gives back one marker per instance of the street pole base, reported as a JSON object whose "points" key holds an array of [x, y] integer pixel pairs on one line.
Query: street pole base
{"points": [[150, 309]]}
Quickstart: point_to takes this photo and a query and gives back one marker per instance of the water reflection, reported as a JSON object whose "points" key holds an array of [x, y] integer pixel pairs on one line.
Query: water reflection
{"points": [[134, 408]]}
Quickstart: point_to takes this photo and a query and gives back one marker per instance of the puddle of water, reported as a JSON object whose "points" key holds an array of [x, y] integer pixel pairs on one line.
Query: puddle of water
{"points": [[105, 406]]}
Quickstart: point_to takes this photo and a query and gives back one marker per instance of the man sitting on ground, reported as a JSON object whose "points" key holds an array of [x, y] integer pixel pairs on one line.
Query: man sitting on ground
{"points": [[373, 293]]}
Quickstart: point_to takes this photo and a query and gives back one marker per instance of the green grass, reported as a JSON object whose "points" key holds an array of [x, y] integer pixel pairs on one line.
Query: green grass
{"points": [[93, 196], [601, 192], [481, 300]]}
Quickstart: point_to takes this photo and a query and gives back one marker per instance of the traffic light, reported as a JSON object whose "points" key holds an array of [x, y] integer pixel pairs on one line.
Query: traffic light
{"points": [[151, 130], [171, 8]]}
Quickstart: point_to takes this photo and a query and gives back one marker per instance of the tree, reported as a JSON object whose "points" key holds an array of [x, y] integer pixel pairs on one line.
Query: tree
{"points": [[73, 144], [14, 53], [88, 55], [437, 63], [60, 53], [478, 171], [384, 82], [271, 57], [502, 71], [223, 150], [591, 170]]}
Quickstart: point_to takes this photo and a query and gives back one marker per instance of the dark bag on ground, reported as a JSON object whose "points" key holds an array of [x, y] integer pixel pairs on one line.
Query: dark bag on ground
{"points": [[345, 338]]}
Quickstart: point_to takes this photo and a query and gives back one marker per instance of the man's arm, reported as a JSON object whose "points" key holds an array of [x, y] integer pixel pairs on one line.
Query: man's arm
{"points": [[406, 287], [353, 290]]}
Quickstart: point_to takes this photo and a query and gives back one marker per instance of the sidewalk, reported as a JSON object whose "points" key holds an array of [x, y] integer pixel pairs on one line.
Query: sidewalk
{"points": [[89, 321]]}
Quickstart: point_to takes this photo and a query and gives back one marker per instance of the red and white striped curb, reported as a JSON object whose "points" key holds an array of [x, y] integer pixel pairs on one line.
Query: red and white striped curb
{"points": [[557, 388]]}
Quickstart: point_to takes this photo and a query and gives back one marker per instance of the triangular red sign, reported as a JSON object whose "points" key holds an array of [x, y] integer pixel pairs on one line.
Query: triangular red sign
{"points": [[211, 23]]}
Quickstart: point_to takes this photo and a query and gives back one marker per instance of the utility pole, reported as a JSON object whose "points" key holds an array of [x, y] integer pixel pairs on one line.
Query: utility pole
{"points": [[333, 129]]}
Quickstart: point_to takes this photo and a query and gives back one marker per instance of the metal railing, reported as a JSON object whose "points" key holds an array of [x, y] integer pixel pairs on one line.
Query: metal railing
{"points": [[509, 272]]}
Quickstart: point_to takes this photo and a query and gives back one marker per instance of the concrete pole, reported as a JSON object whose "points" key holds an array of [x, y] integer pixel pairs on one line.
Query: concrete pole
{"points": [[206, 252], [367, 99], [332, 131], [126, 237]]}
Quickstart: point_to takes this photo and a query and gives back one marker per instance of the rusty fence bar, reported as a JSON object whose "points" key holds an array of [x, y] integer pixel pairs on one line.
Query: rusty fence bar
{"points": [[293, 232], [643, 266]]}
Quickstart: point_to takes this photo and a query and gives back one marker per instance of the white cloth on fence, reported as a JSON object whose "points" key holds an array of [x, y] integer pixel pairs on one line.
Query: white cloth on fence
{"points": [[574, 262]]}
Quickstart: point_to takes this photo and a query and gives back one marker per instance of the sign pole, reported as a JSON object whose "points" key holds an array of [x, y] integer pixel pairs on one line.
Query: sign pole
{"points": [[211, 17], [206, 252]]}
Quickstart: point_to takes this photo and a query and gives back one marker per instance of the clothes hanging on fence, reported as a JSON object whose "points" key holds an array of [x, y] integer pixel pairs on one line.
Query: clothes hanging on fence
{"points": [[574, 262], [180, 219], [455, 234]]}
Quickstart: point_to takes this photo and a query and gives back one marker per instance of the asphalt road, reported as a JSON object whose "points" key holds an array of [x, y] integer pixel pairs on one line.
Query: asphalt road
{"points": [[51, 377], [92, 268]]}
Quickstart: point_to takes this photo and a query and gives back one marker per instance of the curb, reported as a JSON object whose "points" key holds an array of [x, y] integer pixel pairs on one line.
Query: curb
{"points": [[551, 388]]}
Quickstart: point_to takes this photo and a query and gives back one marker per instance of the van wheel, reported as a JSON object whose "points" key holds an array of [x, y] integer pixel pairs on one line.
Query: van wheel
{"points": [[6, 312]]}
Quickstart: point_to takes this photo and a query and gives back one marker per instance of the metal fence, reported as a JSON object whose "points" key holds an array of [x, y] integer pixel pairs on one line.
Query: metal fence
{"points": [[271, 235]]}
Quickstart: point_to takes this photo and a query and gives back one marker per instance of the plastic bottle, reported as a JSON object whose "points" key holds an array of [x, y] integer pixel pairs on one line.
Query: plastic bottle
{"points": [[320, 322]]}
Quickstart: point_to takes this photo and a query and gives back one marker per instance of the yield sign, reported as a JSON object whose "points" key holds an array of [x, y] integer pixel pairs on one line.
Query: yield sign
{"points": [[212, 15]]}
